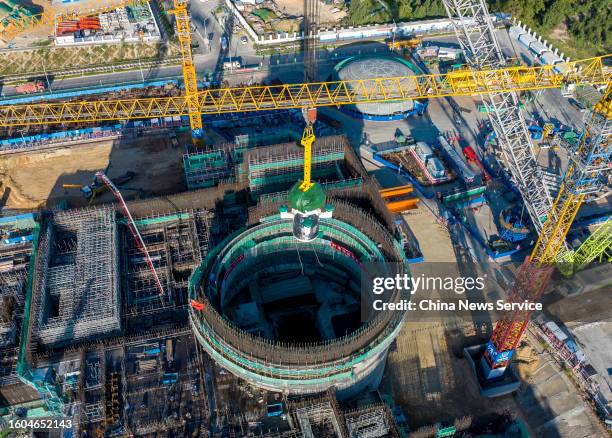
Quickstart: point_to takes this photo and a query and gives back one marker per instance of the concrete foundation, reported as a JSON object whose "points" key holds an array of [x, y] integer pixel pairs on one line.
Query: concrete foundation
{"points": [[503, 384]]}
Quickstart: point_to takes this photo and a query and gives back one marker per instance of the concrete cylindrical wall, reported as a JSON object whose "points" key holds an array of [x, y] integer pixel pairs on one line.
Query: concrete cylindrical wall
{"points": [[350, 363]]}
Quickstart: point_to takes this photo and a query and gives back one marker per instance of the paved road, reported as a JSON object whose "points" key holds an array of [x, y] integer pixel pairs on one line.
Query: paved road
{"points": [[287, 67], [551, 105], [207, 33]]}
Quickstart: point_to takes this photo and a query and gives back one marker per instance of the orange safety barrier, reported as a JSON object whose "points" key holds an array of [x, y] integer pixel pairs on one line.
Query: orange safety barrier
{"points": [[395, 191], [399, 206]]}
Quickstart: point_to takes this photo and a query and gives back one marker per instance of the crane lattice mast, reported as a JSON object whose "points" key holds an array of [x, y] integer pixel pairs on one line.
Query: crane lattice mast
{"points": [[190, 79], [476, 35], [597, 246]]}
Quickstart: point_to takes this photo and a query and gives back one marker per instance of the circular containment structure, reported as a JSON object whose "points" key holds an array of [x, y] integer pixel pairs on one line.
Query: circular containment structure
{"points": [[286, 315], [372, 66]]}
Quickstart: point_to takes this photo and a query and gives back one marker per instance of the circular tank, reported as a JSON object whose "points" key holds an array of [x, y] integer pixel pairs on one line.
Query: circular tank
{"points": [[357, 68], [286, 315]]}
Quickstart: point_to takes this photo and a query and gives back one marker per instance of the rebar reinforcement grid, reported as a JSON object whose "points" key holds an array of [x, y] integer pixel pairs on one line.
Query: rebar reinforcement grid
{"points": [[177, 243]]}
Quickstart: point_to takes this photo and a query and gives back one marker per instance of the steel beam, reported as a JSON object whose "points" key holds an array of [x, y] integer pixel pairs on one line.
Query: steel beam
{"points": [[318, 94]]}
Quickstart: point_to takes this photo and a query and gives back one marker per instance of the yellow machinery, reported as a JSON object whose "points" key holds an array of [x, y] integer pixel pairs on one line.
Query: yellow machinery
{"points": [[308, 139], [409, 43], [397, 198], [547, 130], [183, 29], [310, 95], [97, 187]]}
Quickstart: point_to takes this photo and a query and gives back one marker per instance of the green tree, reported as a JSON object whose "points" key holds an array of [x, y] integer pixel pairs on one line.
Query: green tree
{"points": [[588, 22]]}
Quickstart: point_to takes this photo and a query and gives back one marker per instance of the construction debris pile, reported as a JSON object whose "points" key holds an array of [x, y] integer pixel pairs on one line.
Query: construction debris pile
{"points": [[128, 24]]}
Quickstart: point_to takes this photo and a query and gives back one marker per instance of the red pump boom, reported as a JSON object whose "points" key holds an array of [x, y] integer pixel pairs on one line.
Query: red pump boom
{"points": [[132, 226]]}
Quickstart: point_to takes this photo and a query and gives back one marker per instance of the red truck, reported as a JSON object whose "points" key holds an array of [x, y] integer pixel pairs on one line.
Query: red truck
{"points": [[471, 156], [30, 87], [469, 153]]}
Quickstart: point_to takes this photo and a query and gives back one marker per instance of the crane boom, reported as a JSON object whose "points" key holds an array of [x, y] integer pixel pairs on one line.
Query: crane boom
{"points": [[476, 35], [584, 176], [597, 246], [587, 164], [308, 139], [592, 71], [132, 226]]}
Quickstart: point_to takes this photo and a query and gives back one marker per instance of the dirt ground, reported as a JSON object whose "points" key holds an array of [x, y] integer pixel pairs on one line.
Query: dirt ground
{"points": [[33, 180], [426, 373], [431, 381], [296, 7], [66, 58], [549, 401]]}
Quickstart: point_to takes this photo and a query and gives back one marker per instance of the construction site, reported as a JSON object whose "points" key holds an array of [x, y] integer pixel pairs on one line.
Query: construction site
{"points": [[190, 243], [263, 345]]}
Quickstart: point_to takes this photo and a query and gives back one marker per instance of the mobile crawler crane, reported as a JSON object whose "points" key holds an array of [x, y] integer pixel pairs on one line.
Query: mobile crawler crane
{"points": [[487, 76], [585, 175]]}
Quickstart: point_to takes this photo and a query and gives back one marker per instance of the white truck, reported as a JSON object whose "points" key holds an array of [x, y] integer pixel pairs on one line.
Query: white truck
{"points": [[232, 64]]}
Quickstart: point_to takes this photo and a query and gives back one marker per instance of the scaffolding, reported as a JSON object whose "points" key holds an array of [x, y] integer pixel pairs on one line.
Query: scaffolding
{"points": [[94, 382], [317, 420], [371, 422], [13, 277], [206, 169], [344, 184], [267, 362], [15, 257], [283, 164], [76, 290], [158, 392], [15, 254], [176, 243]]}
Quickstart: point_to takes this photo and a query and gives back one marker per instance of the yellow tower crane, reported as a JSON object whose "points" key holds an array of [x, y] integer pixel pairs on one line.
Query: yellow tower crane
{"points": [[190, 79], [592, 71]]}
